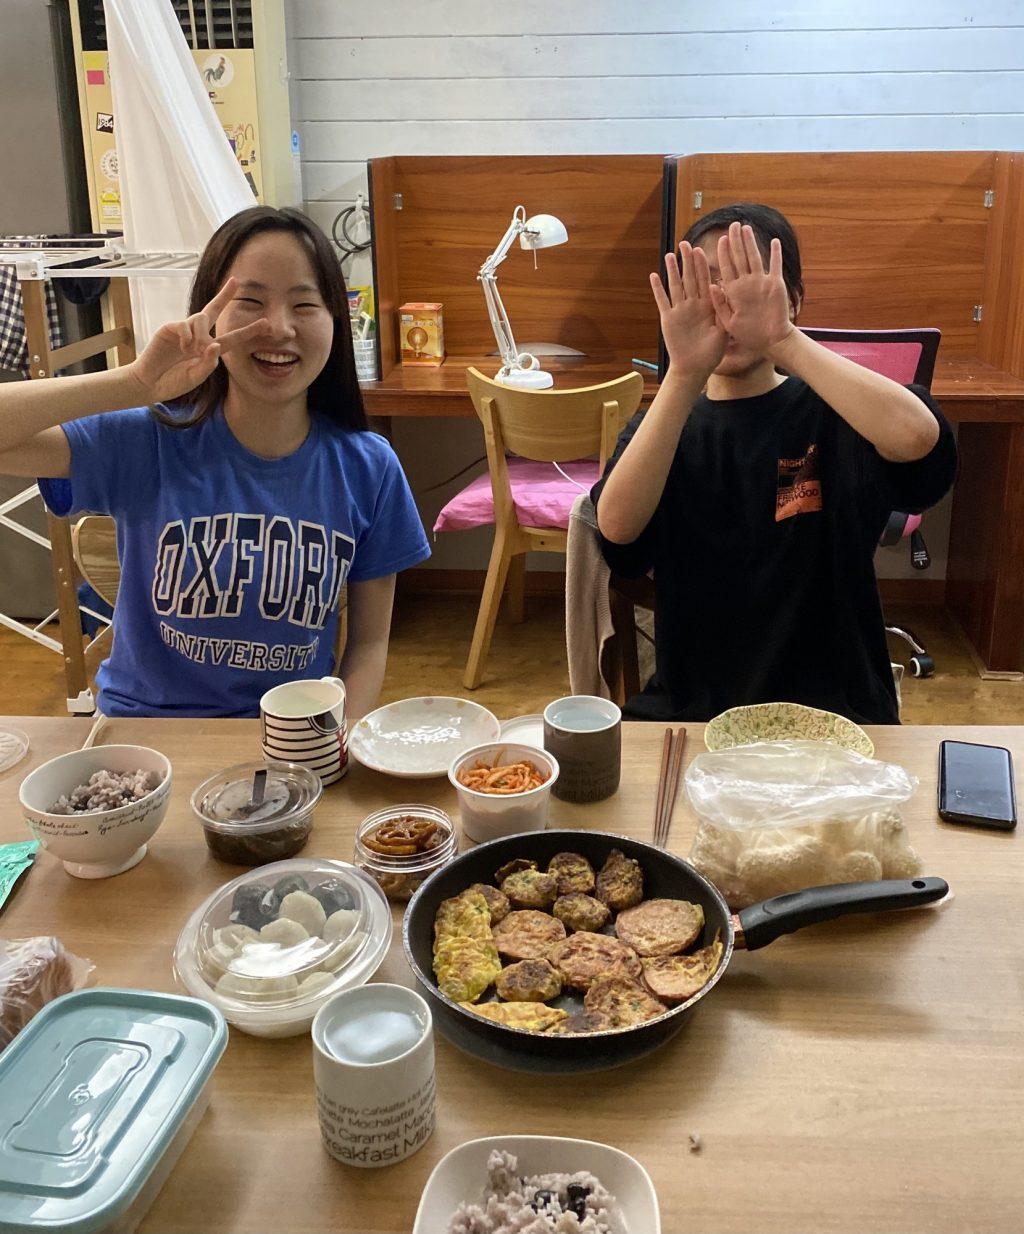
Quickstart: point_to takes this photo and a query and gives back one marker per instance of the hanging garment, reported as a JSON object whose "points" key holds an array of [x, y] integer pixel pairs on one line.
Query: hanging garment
{"points": [[13, 348], [179, 177]]}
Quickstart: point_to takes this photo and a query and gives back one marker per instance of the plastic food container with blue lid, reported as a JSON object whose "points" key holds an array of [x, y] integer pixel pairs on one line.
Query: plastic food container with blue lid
{"points": [[101, 1093]]}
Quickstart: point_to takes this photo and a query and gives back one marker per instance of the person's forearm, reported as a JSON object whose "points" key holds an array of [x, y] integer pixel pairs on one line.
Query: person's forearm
{"points": [[634, 487], [31, 407], [892, 418], [362, 671]]}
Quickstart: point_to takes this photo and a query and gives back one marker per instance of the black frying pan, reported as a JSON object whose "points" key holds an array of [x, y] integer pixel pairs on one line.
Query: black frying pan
{"points": [[664, 875]]}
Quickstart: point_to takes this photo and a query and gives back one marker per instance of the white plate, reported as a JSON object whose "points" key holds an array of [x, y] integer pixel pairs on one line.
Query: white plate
{"points": [[418, 737], [462, 1175], [527, 730], [13, 747]]}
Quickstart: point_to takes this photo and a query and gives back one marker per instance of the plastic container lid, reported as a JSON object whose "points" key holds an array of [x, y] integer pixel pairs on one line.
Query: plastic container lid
{"points": [[13, 747], [94, 1091], [222, 802], [270, 947]]}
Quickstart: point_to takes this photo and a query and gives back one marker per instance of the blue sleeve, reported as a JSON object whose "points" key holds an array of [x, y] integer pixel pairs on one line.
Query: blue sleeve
{"points": [[113, 465], [394, 538]]}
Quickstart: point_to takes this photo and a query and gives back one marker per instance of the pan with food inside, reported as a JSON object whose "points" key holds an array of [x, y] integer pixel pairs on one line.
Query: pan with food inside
{"points": [[564, 951]]}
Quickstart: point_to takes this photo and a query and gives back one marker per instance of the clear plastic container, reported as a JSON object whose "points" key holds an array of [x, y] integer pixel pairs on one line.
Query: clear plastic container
{"points": [[399, 875], [270, 947], [274, 830]]}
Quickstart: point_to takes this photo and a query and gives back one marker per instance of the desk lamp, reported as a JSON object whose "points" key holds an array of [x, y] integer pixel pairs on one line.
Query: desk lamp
{"points": [[539, 232]]}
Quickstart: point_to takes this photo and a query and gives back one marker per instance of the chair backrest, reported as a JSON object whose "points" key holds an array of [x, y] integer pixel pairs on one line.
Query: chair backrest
{"points": [[94, 543], [904, 355], [556, 426]]}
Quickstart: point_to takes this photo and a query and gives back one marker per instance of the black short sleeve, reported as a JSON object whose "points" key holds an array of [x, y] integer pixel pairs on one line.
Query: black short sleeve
{"points": [[914, 487], [636, 559]]}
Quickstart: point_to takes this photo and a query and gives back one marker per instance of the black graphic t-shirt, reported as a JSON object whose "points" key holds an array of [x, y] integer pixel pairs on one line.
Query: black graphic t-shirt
{"points": [[762, 548]]}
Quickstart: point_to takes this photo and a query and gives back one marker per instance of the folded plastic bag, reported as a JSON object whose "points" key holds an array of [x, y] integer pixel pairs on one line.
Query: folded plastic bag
{"points": [[33, 972], [778, 816]]}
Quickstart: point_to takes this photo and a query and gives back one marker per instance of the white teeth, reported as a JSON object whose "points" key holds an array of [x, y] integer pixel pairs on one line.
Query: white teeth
{"points": [[274, 357]]}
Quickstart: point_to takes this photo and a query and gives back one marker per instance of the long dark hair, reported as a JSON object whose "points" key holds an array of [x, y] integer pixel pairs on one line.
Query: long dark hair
{"points": [[335, 392], [768, 224]]}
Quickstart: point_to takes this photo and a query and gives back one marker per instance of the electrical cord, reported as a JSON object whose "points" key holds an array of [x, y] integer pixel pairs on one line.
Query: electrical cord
{"points": [[349, 246]]}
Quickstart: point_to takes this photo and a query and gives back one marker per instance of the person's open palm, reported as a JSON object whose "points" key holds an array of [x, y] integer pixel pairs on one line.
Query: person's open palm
{"points": [[182, 354], [693, 336], [752, 303]]}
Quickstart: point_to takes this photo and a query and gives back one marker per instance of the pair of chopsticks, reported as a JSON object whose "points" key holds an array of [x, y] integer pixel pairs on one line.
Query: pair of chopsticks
{"points": [[668, 784]]}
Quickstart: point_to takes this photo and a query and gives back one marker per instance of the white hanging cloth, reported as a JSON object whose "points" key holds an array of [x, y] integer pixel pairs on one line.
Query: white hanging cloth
{"points": [[179, 177]]}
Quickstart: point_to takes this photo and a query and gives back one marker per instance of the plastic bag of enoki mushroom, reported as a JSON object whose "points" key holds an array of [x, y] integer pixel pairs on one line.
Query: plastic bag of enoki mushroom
{"points": [[778, 816]]}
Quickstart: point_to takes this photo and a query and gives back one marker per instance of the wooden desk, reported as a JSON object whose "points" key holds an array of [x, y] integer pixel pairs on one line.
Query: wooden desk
{"points": [[856, 1077]]}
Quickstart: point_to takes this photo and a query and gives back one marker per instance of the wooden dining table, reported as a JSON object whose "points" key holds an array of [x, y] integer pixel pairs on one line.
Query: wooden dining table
{"points": [[863, 1075]]}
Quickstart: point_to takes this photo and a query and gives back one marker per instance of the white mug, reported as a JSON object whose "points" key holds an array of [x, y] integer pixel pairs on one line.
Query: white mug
{"points": [[304, 722], [373, 1063]]}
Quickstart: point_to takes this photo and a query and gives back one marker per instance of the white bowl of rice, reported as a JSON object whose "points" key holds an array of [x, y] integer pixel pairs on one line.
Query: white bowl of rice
{"points": [[507, 1184], [97, 809]]}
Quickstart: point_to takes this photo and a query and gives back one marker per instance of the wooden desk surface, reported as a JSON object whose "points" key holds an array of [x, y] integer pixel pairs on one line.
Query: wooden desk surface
{"points": [[856, 1077], [967, 389]]}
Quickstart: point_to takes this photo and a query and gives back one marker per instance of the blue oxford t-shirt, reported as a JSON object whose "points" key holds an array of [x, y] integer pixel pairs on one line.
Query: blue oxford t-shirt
{"points": [[231, 564]]}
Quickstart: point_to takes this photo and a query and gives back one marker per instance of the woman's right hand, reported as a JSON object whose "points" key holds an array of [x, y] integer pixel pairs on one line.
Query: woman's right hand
{"points": [[182, 354], [693, 335]]}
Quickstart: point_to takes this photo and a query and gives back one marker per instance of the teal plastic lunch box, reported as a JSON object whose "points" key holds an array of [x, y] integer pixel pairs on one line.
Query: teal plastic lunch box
{"points": [[99, 1095]]}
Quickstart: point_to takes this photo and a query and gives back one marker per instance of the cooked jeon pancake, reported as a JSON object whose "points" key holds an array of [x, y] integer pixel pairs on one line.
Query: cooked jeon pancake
{"points": [[581, 912], [580, 960], [465, 968], [621, 882], [573, 871], [529, 981], [513, 867], [580, 1023], [660, 927], [528, 935], [463, 916], [533, 1016], [623, 1001], [675, 978], [530, 889], [497, 901]]}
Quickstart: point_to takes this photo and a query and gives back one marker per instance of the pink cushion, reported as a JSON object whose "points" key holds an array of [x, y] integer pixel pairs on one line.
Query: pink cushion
{"points": [[542, 497]]}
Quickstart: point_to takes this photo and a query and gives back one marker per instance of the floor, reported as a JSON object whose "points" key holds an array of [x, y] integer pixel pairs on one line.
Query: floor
{"points": [[527, 667]]}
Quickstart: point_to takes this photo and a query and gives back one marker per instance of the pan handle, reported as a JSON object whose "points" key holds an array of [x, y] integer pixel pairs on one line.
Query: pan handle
{"points": [[762, 923]]}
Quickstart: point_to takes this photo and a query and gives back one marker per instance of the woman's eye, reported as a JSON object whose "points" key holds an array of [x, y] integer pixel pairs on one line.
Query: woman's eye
{"points": [[248, 300], [307, 306]]}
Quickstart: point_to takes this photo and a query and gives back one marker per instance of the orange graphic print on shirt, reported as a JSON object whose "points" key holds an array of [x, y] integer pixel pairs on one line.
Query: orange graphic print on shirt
{"points": [[799, 490]]}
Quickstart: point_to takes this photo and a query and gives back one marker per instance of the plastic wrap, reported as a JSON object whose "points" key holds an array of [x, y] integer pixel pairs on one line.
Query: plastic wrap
{"points": [[778, 816], [33, 972]]}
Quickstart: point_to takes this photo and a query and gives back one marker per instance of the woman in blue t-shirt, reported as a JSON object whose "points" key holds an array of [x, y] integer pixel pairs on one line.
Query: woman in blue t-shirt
{"points": [[235, 457]]}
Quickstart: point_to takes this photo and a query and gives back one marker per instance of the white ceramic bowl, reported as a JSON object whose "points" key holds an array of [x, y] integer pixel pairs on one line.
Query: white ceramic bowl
{"points": [[462, 1175], [489, 816], [417, 738], [110, 841]]}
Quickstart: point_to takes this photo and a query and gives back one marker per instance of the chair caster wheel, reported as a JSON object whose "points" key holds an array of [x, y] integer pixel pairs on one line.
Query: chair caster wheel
{"points": [[922, 665]]}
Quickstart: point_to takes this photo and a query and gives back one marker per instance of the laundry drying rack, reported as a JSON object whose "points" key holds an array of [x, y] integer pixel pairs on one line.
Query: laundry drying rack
{"points": [[38, 261]]}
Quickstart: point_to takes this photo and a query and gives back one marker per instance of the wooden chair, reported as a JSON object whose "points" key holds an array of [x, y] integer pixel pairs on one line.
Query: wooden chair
{"points": [[550, 426]]}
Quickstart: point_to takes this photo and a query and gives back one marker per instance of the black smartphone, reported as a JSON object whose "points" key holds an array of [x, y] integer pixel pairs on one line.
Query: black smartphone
{"points": [[976, 785]]}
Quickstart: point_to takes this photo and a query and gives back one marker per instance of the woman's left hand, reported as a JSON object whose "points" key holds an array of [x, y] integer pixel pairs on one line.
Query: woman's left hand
{"points": [[751, 303]]}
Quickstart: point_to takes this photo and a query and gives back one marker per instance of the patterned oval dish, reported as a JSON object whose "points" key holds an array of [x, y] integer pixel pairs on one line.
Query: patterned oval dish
{"points": [[784, 722]]}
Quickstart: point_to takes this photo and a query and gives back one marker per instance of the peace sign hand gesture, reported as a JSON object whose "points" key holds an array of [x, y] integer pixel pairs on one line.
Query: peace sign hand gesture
{"points": [[694, 338], [182, 354], [752, 303]]}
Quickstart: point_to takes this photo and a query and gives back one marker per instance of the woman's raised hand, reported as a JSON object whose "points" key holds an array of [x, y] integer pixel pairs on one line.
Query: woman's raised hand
{"points": [[752, 303], [182, 354], [694, 338]]}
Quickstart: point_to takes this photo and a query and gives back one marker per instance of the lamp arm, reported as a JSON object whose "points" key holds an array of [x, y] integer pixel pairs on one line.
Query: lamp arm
{"points": [[499, 322], [515, 228]]}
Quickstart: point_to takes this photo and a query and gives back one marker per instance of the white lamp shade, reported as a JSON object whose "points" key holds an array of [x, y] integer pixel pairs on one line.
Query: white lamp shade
{"points": [[543, 231]]}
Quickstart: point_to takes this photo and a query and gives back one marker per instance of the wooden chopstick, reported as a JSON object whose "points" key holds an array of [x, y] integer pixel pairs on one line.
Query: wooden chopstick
{"points": [[669, 788], [666, 752]]}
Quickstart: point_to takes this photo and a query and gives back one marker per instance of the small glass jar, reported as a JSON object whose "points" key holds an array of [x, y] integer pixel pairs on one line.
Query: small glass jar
{"points": [[399, 876]]}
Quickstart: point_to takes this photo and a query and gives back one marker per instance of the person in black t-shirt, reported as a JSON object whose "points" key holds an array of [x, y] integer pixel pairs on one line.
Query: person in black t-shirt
{"points": [[757, 498]]}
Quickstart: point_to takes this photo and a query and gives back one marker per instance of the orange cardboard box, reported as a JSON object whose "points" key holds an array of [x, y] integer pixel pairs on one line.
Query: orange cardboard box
{"points": [[421, 330]]}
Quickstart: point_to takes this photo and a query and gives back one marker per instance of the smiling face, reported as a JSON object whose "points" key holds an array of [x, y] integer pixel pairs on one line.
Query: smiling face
{"points": [[277, 280]]}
